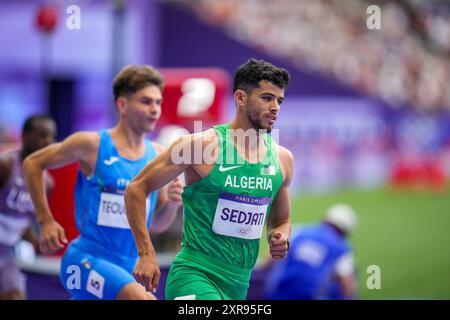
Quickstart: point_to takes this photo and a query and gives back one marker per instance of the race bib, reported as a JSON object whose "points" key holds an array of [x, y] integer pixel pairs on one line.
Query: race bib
{"points": [[240, 216], [95, 284], [12, 228], [111, 211]]}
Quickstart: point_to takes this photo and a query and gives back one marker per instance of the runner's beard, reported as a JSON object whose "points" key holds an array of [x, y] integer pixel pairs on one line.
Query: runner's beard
{"points": [[256, 123]]}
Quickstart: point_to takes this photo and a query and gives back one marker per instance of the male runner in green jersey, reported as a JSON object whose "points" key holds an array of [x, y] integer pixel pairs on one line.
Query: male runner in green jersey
{"points": [[237, 178]]}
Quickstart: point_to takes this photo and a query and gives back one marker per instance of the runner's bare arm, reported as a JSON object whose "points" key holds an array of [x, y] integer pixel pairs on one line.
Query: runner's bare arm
{"points": [[160, 171], [278, 221], [74, 148], [155, 175], [169, 201]]}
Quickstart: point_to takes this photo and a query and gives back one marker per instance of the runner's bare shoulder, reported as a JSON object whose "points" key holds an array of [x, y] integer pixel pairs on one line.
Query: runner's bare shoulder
{"points": [[286, 162], [88, 141], [194, 147]]}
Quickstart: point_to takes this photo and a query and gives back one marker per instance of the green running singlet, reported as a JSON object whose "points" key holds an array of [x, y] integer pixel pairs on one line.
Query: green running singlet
{"points": [[224, 216]]}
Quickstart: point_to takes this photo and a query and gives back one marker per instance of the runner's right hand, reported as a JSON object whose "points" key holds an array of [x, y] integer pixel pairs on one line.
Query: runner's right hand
{"points": [[52, 237], [147, 273]]}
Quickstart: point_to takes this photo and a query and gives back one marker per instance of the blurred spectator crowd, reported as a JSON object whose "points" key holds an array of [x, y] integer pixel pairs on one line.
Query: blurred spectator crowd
{"points": [[405, 62]]}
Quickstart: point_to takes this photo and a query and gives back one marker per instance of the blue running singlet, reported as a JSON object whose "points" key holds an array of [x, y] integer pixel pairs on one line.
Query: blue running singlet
{"points": [[98, 264]]}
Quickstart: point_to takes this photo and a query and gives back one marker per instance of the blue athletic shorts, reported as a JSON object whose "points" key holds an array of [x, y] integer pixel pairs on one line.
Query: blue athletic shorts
{"points": [[89, 271]]}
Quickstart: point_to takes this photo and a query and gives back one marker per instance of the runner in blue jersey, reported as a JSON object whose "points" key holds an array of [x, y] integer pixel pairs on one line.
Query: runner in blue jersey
{"points": [[99, 263]]}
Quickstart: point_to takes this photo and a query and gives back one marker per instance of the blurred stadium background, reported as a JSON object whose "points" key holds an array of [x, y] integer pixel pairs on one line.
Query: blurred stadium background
{"points": [[367, 116]]}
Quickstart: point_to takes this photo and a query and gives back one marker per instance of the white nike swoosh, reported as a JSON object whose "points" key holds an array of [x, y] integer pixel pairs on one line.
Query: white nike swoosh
{"points": [[110, 161], [222, 169]]}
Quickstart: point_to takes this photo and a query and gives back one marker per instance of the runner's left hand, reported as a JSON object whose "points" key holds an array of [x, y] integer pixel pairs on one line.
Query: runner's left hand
{"points": [[279, 245], [174, 191]]}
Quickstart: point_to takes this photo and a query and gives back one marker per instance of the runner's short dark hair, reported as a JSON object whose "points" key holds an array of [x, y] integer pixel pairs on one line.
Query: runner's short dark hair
{"points": [[253, 71]]}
